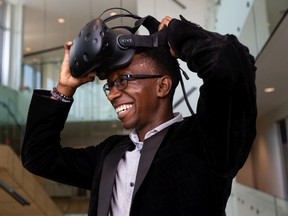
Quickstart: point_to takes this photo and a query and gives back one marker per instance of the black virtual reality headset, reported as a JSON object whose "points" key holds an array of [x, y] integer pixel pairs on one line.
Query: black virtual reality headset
{"points": [[100, 48]]}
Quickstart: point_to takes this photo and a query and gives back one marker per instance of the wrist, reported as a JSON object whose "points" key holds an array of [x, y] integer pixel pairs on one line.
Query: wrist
{"points": [[65, 90], [56, 95]]}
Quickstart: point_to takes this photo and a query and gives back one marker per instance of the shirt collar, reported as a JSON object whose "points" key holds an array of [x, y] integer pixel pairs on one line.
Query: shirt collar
{"points": [[134, 136]]}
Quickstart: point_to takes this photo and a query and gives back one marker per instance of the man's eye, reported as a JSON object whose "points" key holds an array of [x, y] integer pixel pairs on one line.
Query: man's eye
{"points": [[121, 80]]}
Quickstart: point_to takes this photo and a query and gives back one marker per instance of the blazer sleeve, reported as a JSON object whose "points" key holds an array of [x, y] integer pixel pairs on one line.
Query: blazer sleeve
{"points": [[42, 153], [226, 109]]}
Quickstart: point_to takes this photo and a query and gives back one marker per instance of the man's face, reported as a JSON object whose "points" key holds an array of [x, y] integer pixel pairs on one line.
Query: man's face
{"points": [[137, 104]]}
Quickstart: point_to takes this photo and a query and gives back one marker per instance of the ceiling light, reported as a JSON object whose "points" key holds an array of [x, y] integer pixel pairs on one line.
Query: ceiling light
{"points": [[28, 49], [113, 13], [269, 90], [61, 20]]}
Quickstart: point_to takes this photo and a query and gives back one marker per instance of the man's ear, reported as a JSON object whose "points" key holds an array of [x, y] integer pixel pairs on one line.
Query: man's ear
{"points": [[164, 86]]}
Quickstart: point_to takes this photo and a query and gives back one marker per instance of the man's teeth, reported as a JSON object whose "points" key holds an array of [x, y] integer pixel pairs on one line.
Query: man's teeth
{"points": [[123, 108]]}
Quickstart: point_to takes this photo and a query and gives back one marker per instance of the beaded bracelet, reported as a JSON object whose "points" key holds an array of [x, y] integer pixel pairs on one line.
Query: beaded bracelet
{"points": [[60, 97]]}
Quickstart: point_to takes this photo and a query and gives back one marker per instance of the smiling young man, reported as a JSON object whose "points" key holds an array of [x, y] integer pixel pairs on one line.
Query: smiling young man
{"points": [[145, 102], [167, 165]]}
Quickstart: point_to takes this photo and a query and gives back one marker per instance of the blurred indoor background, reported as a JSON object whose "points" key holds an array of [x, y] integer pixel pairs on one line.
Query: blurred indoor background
{"points": [[32, 34]]}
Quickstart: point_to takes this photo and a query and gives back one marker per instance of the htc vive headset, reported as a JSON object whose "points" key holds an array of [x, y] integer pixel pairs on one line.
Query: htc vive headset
{"points": [[102, 49]]}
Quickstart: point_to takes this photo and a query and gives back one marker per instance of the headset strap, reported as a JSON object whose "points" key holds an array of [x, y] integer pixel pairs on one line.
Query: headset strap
{"points": [[149, 23], [132, 41]]}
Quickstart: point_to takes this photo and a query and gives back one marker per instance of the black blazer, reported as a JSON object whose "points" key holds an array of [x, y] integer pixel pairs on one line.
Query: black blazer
{"points": [[190, 172]]}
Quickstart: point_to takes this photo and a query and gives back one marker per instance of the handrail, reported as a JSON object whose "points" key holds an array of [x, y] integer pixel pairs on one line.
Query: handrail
{"points": [[13, 193]]}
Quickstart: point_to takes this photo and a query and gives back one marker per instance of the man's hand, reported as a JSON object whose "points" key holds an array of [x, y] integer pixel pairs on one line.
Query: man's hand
{"points": [[164, 23], [67, 84]]}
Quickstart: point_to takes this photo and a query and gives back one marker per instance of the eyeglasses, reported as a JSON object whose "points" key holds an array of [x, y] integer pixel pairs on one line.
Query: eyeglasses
{"points": [[121, 82]]}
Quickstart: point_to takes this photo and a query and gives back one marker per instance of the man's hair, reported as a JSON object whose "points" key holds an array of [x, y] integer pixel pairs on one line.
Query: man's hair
{"points": [[164, 64]]}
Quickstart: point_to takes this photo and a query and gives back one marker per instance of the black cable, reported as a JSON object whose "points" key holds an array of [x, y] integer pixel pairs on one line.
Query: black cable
{"points": [[184, 91], [129, 14]]}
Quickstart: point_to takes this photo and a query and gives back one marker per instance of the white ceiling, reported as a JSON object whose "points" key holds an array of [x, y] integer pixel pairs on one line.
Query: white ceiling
{"points": [[41, 32], [41, 29]]}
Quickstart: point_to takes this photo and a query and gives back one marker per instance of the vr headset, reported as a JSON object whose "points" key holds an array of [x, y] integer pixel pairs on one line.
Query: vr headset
{"points": [[100, 48]]}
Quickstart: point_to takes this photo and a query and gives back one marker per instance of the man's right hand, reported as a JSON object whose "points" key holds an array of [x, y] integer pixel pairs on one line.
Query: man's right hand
{"points": [[164, 23], [67, 84]]}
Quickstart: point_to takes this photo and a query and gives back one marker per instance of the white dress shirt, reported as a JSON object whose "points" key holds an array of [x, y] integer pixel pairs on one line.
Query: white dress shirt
{"points": [[127, 171]]}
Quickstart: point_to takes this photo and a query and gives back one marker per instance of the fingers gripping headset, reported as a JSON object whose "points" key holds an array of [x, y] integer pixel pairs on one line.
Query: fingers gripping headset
{"points": [[100, 48]]}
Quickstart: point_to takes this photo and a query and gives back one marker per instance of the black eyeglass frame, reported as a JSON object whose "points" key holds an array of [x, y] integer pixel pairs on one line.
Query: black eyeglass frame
{"points": [[127, 77]]}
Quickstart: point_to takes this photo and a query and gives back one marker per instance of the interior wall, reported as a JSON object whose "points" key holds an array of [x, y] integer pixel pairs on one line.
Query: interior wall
{"points": [[270, 175], [265, 168], [245, 175], [193, 10]]}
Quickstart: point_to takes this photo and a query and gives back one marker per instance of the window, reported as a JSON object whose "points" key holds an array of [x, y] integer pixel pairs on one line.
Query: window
{"points": [[27, 78], [31, 77], [283, 132], [2, 31]]}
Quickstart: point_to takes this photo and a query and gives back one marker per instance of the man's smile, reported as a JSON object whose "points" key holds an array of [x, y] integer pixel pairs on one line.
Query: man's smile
{"points": [[121, 109]]}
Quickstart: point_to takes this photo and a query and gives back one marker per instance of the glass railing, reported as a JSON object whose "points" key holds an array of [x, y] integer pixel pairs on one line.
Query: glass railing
{"points": [[253, 21], [250, 202], [265, 17], [13, 111], [90, 103]]}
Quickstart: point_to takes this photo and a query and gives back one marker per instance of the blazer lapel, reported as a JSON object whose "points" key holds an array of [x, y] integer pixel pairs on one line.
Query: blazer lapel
{"points": [[148, 152], [107, 177]]}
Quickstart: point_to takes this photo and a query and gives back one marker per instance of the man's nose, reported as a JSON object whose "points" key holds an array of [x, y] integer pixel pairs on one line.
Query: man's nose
{"points": [[113, 93]]}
